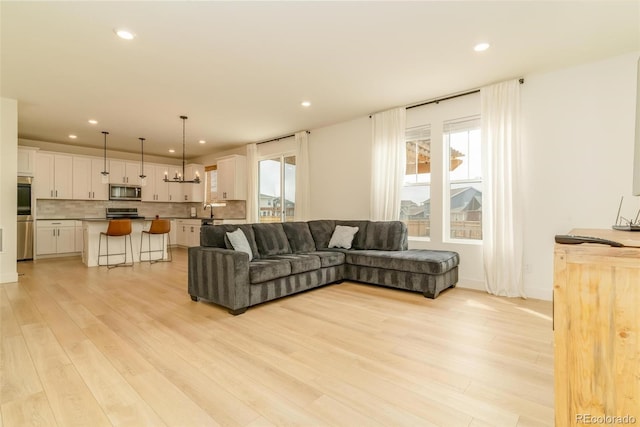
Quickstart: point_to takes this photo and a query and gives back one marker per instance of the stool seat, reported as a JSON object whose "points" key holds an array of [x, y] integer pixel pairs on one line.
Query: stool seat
{"points": [[116, 228], [158, 227]]}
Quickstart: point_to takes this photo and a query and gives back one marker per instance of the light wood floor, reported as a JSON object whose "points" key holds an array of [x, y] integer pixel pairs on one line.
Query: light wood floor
{"points": [[127, 347]]}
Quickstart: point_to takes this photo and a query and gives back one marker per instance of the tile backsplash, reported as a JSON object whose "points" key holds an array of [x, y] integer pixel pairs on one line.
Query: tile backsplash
{"points": [[78, 209]]}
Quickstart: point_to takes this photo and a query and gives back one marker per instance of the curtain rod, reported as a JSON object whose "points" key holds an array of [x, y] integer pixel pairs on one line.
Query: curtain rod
{"points": [[445, 98], [280, 137]]}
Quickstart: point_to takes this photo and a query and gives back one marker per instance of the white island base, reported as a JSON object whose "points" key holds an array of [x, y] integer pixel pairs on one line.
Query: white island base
{"points": [[91, 230]]}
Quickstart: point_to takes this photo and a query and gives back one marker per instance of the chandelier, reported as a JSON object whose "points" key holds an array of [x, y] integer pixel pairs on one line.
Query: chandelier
{"points": [[179, 178]]}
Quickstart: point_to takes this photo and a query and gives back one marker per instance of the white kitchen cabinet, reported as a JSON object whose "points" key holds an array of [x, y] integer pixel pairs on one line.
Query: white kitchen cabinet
{"points": [[79, 241], [188, 232], [87, 179], [26, 161], [53, 176], [156, 189], [175, 191], [55, 237], [194, 192], [173, 233], [122, 172], [232, 177]]}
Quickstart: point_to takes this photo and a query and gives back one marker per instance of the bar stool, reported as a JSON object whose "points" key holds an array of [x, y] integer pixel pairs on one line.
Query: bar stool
{"points": [[158, 227], [116, 228]]}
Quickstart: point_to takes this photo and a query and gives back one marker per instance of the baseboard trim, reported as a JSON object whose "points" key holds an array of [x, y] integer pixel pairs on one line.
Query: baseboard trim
{"points": [[9, 277], [535, 293], [477, 285]]}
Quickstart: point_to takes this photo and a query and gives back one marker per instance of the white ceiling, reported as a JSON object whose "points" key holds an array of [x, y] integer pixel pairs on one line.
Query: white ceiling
{"points": [[239, 70]]}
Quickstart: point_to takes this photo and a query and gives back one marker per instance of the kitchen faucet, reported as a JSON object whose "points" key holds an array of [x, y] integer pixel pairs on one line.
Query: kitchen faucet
{"points": [[209, 205]]}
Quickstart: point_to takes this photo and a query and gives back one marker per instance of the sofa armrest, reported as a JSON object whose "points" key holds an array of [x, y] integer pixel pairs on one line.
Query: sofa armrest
{"points": [[219, 275]]}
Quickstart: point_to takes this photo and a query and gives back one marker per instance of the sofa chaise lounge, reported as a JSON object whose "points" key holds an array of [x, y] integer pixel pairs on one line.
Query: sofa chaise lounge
{"points": [[291, 257]]}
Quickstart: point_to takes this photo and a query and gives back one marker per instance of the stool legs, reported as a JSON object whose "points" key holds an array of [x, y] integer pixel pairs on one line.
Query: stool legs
{"points": [[107, 255], [161, 250]]}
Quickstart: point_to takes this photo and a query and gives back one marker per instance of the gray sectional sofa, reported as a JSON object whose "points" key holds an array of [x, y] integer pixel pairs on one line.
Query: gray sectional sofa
{"points": [[295, 256]]}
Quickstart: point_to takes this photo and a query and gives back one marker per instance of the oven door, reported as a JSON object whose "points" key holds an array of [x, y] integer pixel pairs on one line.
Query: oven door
{"points": [[24, 195]]}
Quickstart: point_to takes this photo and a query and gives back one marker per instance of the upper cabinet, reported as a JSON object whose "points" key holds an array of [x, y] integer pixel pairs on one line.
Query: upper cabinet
{"points": [[155, 190], [194, 192], [53, 176], [122, 172], [87, 179], [232, 177], [64, 176], [26, 161]]}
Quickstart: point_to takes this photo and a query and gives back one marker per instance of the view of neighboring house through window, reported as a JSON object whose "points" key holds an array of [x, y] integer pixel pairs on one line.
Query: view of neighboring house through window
{"points": [[416, 192], [210, 183], [464, 181], [277, 183]]}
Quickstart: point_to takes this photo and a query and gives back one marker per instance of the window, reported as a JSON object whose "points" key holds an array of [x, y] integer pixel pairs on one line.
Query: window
{"points": [[415, 206], [464, 180], [210, 183], [277, 183]]}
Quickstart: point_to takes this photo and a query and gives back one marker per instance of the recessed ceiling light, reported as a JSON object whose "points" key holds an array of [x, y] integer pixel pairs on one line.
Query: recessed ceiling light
{"points": [[481, 47], [305, 104], [93, 122], [125, 34], [172, 151], [202, 141], [72, 136]]}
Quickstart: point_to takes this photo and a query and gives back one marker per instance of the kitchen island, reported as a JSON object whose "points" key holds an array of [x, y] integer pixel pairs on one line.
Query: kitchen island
{"points": [[92, 228]]}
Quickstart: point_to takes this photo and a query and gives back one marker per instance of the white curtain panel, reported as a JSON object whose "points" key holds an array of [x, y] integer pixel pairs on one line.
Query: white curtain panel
{"points": [[252, 183], [388, 163], [303, 198], [502, 211]]}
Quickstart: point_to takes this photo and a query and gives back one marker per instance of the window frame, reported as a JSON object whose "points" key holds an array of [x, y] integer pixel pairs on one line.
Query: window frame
{"points": [[280, 156], [207, 183], [446, 181], [425, 131]]}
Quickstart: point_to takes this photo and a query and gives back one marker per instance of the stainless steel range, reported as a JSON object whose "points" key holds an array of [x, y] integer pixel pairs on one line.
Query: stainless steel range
{"points": [[122, 213]]}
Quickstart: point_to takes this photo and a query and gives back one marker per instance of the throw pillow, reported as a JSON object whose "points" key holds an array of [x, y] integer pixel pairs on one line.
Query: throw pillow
{"points": [[342, 237], [239, 242]]}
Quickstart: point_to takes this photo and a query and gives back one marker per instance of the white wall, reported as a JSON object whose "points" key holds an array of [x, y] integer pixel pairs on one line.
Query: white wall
{"points": [[211, 159], [578, 156], [340, 170], [578, 139], [8, 186]]}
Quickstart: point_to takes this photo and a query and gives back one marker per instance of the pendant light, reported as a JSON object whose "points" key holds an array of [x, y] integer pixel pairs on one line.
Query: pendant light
{"points": [[105, 173], [143, 177], [179, 178]]}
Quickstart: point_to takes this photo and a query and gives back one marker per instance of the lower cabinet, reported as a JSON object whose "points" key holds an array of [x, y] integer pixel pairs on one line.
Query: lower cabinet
{"points": [[173, 234], [55, 237], [188, 232]]}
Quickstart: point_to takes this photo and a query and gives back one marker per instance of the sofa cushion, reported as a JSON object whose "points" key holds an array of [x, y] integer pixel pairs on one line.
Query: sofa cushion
{"points": [[329, 259], [387, 236], [342, 237], [360, 237], [414, 261], [263, 270], [300, 262], [215, 236], [239, 242], [271, 239], [321, 230], [299, 236]]}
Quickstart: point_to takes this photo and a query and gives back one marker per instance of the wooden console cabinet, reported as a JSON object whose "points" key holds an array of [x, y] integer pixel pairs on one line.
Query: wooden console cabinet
{"points": [[596, 331]]}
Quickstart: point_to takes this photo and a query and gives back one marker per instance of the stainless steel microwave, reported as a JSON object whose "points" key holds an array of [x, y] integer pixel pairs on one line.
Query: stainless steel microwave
{"points": [[125, 192]]}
